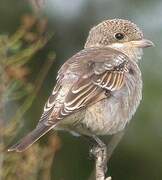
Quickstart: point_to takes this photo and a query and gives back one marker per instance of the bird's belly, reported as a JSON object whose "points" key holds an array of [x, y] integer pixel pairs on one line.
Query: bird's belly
{"points": [[111, 115], [106, 117]]}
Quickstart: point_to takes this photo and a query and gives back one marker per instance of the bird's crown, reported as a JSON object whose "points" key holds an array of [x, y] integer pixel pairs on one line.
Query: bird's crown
{"points": [[113, 31]]}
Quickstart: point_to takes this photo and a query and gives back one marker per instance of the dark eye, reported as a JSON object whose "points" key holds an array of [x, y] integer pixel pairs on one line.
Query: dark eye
{"points": [[119, 36]]}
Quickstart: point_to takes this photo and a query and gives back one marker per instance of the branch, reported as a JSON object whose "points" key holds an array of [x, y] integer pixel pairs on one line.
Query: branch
{"points": [[101, 164], [103, 156]]}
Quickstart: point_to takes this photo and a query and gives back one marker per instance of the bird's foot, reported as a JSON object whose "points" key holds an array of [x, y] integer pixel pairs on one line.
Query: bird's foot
{"points": [[100, 153]]}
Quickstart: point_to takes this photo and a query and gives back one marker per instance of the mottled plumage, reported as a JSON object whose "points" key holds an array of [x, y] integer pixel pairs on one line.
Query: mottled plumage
{"points": [[99, 88]]}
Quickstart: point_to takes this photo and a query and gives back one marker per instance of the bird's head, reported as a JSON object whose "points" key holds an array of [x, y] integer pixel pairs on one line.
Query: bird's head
{"points": [[119, 34]]}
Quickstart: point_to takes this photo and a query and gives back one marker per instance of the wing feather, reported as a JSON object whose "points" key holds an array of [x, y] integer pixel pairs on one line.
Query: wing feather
{"points": [[87, 93], [91, 76]]}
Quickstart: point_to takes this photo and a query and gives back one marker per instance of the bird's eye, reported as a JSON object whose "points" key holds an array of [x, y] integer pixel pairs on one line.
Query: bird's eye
{"points": [[119, 36]]}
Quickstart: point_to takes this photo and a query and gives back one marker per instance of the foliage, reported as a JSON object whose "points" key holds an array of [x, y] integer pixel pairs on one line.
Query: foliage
{"points": [[16, 52]]}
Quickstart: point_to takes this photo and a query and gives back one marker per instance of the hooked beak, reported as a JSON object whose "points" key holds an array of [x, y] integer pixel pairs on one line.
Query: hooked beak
{"points": [[143, 43]]}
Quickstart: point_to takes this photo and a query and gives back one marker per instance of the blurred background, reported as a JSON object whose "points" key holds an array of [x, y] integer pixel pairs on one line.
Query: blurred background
{"points": [[36, 37]]}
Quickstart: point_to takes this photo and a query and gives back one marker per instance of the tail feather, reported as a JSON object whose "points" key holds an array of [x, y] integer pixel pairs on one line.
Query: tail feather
{"points": [[32, 137]]}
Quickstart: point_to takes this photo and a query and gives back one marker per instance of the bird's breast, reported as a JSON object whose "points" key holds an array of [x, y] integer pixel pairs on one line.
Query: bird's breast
{"points": [[112, 114]]}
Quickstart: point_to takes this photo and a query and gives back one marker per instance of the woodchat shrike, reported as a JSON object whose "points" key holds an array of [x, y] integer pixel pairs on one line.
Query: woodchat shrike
{"points": [[99, 88]]}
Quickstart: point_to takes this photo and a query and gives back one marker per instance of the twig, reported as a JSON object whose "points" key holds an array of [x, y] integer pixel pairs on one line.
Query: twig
{"points": [[103, 156], [101, 167], [37, 6]]}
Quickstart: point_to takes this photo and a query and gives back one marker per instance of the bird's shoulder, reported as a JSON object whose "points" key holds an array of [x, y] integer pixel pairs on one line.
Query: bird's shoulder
{"points": [[92, 60]]}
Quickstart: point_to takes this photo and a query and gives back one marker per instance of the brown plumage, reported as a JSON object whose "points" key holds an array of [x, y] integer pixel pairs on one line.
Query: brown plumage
{"points": [[98, 89]]}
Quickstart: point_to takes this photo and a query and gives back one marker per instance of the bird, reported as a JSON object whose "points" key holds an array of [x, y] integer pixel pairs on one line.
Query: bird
{"points": [[98, 89]]}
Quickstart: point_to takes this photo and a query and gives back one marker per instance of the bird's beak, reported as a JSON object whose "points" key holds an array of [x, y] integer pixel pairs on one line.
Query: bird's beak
{"points": [[143, 43]]}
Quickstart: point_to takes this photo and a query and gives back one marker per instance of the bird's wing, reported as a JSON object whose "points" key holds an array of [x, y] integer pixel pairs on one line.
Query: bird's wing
{"points": [[82, 81], [93, 72]]}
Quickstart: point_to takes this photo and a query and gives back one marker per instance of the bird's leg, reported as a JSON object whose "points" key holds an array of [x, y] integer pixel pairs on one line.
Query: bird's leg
{"points": [[95, 143], [99, 151]]}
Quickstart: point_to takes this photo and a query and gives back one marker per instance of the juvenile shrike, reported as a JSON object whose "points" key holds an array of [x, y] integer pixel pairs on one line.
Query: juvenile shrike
{"points": [[99, 88]]}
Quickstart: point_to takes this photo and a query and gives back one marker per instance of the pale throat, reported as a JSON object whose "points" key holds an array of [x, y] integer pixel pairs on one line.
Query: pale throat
{"points": [[133, 53]]}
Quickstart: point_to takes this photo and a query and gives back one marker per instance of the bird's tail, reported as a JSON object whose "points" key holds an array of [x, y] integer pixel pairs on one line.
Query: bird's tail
{"points": [[32, 137]]}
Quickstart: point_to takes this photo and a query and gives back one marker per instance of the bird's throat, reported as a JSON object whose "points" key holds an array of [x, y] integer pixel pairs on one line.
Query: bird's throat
{"points": [[133, 53]]}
